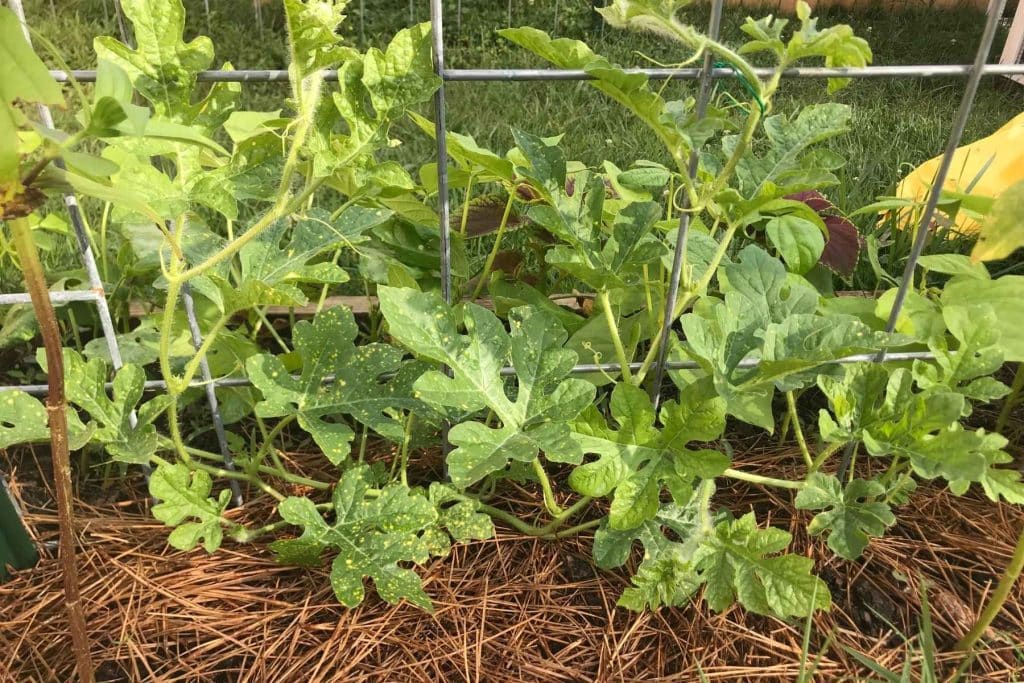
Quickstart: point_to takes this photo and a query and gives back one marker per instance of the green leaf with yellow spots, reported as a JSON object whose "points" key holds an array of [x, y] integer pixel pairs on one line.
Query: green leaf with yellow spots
{"points": [[534, 409], [186, 504], [370, 384], [110, 417], [23, 420], [372, 533]]}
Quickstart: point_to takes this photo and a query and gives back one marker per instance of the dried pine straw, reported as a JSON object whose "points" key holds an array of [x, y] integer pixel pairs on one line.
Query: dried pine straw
{"points": [[509, 609]]}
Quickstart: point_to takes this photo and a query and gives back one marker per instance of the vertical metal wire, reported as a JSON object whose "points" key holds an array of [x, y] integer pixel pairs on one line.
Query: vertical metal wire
{"points": [[210, 387], [88, 259], [995, 13], [679, 255], [444, 207], [440, 132]]}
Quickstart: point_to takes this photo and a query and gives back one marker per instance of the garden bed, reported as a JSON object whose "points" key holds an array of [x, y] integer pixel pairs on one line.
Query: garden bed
{"points": [[508, 609]]}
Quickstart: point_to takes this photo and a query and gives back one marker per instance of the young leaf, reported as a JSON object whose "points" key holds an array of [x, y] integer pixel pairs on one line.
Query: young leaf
{"points": [[1002, 231], [848, 517], [370, 534], [770, 315], [737, 562], [667, 579], [23, 77], [636, 460], [545, 399], [577, 218], [1006, 297], [314, 40], [163, 68], [837, 44], [326, 347], [185, 495], [688, 523], [789, 164], [458, 520], [271, 267], [969, 367], [465, 150], [392, 81], [800, 242]]}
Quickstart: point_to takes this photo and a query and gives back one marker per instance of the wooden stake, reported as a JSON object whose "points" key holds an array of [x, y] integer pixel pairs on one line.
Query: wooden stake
{"points": [[56, 408]]}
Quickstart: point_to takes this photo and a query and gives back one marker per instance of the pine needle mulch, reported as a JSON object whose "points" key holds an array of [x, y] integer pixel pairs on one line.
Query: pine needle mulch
{"points": [[508, 609]]}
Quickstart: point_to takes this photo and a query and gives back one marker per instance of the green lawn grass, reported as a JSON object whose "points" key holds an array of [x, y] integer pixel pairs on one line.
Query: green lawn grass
{"points": [[897, 123]]}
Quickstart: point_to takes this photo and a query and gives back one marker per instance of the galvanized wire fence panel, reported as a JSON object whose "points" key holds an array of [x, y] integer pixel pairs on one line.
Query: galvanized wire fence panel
{"points": [[704, 74]]}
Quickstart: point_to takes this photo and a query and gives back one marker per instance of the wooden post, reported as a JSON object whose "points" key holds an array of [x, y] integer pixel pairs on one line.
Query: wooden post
{"points": [[1014, 48]]}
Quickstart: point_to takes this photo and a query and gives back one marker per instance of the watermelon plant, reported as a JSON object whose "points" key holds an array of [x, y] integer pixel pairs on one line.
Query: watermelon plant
{"points": [[247, 209]]}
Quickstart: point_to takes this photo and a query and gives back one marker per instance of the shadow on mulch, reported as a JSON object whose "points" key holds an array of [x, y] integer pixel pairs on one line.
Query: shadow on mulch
{"points": [[508, 609]]}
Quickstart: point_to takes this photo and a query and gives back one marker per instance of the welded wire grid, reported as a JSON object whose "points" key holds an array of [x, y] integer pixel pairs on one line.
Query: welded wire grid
{"points": [[704, 74]]}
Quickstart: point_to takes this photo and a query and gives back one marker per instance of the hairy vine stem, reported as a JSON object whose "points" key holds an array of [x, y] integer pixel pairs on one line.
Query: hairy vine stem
{"points": [[1012, 399], [613, 331], [798, 430]]}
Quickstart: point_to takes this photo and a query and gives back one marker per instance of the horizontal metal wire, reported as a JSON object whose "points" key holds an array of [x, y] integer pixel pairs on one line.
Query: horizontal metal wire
{"points": [[585, 368], [891, 71], [55, 297]]}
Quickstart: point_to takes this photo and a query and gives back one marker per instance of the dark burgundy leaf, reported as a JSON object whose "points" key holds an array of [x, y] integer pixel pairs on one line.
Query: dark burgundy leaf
{"points": [[813, 199], [843, 246]]}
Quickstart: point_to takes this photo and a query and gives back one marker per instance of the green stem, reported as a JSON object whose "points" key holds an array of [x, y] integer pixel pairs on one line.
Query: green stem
{"points": [[406, 440], [690, 37], [753, 118], [829, 451], [760, 479], [892, 470], [268, 439], [613, 331], [266, 469], [244, 535], [546, 531], [166, 331], [1011, 399], [998, 597], [798, 431], [104, 221], [364, 435], [482, 282], [465, 205], [688, 296], [273, 333], [192, 367], [280, 209], [545, 484]]}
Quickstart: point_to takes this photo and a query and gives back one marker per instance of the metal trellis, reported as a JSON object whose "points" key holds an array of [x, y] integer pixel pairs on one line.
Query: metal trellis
{"points": [[705, 74]]}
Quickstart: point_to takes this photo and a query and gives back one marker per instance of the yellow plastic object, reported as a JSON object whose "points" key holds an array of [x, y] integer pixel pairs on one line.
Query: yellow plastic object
{"points": [[986, 167]]}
